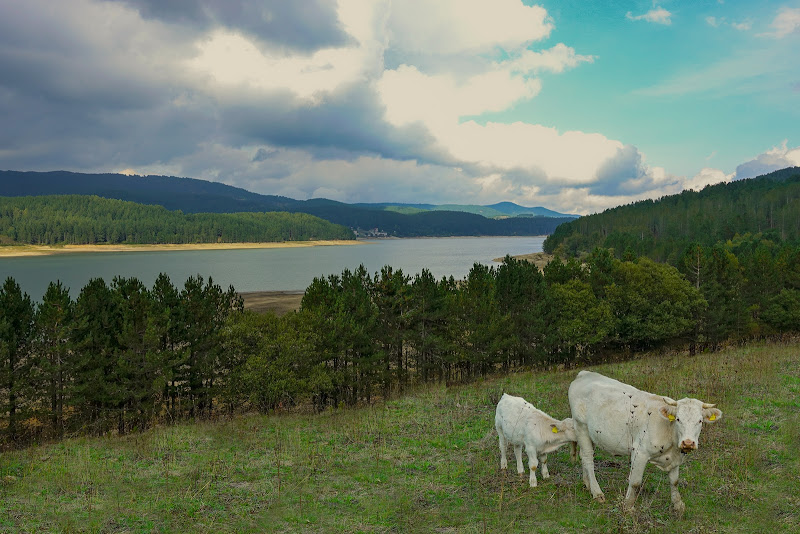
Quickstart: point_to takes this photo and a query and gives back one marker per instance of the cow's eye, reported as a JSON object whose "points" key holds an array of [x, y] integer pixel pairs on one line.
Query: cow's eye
{"points": [[679, 419]]}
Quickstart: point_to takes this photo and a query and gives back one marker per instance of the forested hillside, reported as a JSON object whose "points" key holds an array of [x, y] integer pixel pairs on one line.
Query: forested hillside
{"points": [[768, 206], [79, 219], [199, 196]]}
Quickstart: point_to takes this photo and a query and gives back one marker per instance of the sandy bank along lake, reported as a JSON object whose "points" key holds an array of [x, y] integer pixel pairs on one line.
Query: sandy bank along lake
{"points": [[44, 250]]}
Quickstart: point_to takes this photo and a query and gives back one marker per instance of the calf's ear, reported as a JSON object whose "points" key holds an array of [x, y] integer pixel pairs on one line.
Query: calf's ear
{"points": [[667, 412], [554, 428], [711, 415]]}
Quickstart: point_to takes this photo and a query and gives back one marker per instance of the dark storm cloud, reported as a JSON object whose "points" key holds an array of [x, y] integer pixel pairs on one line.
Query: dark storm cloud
{"points": [[303, 25], [346, 126], [70, 98]]}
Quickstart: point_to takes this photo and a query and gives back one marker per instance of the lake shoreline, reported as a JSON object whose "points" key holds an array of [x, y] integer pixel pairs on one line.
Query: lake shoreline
{"points": [[11, 251]]}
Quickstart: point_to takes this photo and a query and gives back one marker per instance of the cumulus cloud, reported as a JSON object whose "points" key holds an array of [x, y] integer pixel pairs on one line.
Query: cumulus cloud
{"points": [[778, 157], [707, 176], [355, 100], [657, 15], [471, 26]]}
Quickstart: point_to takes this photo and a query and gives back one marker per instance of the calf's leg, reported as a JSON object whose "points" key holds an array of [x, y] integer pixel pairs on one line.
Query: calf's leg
{"points": [[543, 463], [503, 449], [533, 463], [518, 454]]}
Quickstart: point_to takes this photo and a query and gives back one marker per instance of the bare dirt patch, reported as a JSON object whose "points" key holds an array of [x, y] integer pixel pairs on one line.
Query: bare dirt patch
{"points": [[540, 259], [279, 302]]}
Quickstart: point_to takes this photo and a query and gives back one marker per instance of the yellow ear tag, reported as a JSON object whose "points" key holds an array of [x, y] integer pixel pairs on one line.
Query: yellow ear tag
{"points": [[712, 417], [555, 430], [671, 417]]}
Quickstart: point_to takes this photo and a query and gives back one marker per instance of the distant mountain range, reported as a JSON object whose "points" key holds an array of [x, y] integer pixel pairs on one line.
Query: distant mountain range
{"points": [[492, 211], [200, 196]]}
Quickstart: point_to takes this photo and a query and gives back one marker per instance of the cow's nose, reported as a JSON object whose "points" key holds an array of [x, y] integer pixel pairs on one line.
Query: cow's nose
{"points": [[688, 445]]}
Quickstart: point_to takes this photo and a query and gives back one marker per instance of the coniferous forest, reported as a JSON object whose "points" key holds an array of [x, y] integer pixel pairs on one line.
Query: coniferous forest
{"points": [[121, 357], [82, 219]]}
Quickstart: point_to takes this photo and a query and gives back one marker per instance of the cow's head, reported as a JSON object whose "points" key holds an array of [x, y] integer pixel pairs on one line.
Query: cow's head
{"points": [[687, 417], [565, 429]]}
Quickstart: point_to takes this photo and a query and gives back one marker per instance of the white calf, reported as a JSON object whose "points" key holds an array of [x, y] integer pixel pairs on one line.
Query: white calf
{"points": [[518, 422]]}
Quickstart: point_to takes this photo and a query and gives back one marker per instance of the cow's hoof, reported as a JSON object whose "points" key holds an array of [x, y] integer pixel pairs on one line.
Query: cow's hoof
{"points": [[678, 508], [628, 508], [600, 497]]}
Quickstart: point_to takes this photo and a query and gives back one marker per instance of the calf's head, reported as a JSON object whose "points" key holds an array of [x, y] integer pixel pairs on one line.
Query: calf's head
{"points": [[565, 429], [687, 417]]}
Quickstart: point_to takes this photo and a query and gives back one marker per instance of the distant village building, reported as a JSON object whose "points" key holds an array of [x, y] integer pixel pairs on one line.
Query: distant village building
{"points": [[374, 232]]}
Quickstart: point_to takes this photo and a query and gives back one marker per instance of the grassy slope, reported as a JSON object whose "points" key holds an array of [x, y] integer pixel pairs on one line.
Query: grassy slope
{"points": [[426, 463]]}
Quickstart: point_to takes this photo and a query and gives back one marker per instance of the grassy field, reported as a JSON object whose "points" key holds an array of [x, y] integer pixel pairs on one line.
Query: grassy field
{"points": [[427, 462]]}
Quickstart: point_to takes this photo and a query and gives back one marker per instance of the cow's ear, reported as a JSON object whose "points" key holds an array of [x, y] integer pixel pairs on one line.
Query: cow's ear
{"points": [[711, 415], [667, 412], [554, 428]]}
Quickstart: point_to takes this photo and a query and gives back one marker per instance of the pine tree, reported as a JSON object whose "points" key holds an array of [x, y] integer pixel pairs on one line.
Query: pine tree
{"points": [[16, 331]]}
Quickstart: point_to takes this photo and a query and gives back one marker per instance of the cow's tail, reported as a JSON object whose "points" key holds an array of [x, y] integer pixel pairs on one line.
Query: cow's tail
{"points": [[573, 451]]}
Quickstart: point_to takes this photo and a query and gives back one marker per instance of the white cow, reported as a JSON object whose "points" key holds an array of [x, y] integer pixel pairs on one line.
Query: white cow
{"points": [[625, 421], [519, 423]]}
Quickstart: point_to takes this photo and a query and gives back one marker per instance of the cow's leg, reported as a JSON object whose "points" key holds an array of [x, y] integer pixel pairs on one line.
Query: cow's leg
{"points": [[677, 502], [533, 463], [543, 464], [638, 464], [587, 461], [518, 454], [503, 449]]}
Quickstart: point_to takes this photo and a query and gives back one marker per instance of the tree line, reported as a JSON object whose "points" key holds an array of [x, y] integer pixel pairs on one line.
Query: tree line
{"points": [[82, 219], [122, 356]]}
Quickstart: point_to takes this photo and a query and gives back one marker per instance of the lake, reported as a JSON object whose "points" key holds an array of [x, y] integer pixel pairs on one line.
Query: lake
{"points": [[269, 269]]}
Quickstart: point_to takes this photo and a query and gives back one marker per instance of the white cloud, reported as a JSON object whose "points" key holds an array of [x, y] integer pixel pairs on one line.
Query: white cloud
{"points": [[742, 26], [786, 22], [570, 157], [707, 176], [715, 22], [456, 26], [556, 59], [230, 59], [778, 157], [657, 15], [439, 101]]}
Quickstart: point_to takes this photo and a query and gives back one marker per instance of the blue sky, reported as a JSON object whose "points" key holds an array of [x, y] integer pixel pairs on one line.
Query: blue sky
{"points": [[710, 88], [577, 106]]}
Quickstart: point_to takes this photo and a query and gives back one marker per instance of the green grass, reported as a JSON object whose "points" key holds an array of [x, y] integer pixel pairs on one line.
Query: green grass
{"points": [[427, 462]]}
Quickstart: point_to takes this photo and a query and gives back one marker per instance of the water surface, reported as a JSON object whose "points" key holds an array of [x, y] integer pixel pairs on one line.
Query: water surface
{"points": [[270, 269]]}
